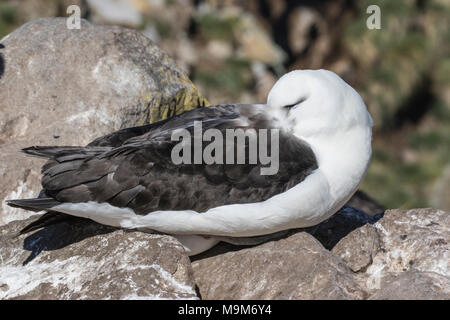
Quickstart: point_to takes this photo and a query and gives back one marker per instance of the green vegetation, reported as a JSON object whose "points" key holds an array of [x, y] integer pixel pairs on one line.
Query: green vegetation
{"points": [[7, 19], [231, 77], [213, 26], [412, 45]]}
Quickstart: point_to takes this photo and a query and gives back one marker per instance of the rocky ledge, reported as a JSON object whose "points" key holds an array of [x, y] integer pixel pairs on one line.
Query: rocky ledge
{"points": [[398, 255]]}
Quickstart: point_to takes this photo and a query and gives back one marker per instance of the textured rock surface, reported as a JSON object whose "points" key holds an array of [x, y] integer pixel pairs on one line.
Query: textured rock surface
{"points": [[359, 247], [90, 261], [402, 248], [68, 87], [402, 255], [413, 285], [297, 267]]}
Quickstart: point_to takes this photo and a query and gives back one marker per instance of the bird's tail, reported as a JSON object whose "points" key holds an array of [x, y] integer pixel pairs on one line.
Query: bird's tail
{"points": [[35, 204], [39, 204], [56, 155]]}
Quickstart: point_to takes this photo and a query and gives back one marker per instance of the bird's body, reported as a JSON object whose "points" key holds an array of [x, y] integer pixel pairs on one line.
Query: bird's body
{"points": [[129, 179]]}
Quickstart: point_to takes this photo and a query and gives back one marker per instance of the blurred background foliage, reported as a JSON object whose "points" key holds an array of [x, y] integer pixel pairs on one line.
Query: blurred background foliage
{"points": [[235, 50]]}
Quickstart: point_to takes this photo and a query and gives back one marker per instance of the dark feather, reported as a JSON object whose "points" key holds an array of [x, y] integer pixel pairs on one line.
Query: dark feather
{"points": [[53, 152], [37, 204], [133, 168], [47, 219]]}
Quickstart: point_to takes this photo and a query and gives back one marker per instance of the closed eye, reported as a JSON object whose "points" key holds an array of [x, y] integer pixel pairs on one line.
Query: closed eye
{"points": [[290, 106]]}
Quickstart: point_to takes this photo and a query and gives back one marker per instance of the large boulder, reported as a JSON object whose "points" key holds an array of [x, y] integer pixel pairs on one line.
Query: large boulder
{"points": [[296, 267], [402, 249], [401, 255], [413, 285], [89, 261], [67, 87]]}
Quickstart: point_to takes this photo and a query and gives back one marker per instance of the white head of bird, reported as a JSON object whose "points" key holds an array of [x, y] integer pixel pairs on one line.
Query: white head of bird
{"points": [[314, 102], [322, 109]]}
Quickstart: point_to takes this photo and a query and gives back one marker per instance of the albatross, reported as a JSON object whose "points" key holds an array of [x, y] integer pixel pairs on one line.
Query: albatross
{"points": [[128, 178]]}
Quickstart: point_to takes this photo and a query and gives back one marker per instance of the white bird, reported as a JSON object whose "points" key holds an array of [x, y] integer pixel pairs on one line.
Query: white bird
{"points": [[127, 179]]}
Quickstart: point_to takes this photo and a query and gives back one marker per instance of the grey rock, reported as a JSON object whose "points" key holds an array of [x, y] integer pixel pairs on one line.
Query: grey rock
{"points": [[413, 285], [68, 87], [359, 247], [296, 267], [403, 248], [401, 255], [85, 260], [416, 239]]}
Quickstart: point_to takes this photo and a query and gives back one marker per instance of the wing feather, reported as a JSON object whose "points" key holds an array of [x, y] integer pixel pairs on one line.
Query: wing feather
{"points": [[133, 168]]}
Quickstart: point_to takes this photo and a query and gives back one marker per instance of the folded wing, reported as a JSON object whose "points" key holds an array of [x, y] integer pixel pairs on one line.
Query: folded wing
{"points": [[133, 167]]}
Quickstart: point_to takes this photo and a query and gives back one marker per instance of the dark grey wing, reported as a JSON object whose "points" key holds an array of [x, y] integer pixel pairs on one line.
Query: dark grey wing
{"points": [[114, 139], [140, 173], [117, 138], [210, 117]]}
